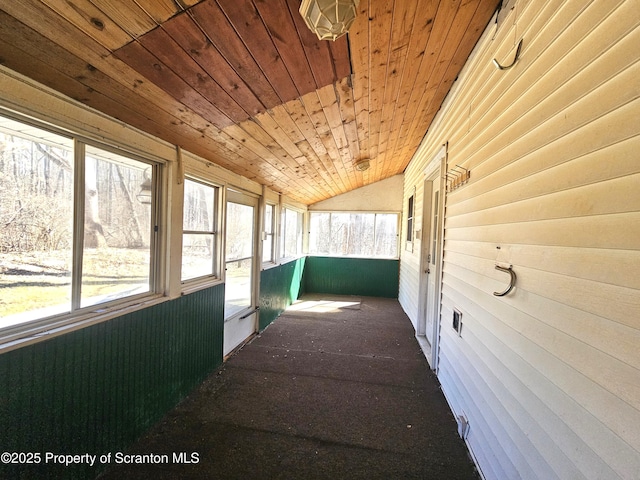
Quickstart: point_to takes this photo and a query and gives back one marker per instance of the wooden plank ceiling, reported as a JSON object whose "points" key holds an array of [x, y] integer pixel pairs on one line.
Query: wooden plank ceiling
{"points": [[244, 83]]}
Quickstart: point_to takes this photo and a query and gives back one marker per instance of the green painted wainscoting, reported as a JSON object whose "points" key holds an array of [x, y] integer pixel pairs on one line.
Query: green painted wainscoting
{"points": [[95, 390], [352, 276], [279, 287]]}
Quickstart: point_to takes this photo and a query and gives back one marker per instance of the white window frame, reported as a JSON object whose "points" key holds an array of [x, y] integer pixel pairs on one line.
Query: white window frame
{"points": [[32, 331], [411, 221], [266, 262], [283, 257], [205, 281], [354, 212]]}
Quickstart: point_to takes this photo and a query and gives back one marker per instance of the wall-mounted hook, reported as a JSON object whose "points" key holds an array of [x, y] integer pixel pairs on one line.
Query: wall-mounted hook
{"points": [[515, 59], [512, 283]]}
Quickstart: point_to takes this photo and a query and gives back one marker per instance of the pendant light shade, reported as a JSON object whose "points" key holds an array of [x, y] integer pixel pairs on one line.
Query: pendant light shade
{"points": [[329, 19]]}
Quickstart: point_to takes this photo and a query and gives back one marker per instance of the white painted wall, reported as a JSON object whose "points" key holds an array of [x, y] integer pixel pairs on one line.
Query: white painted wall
{"points": [[383, 196], [548, 376]]}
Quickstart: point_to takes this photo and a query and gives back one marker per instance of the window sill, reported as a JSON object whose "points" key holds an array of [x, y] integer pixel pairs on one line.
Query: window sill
{"points": [[38, 331], [192, 286], [364, 257], [290, 259]]}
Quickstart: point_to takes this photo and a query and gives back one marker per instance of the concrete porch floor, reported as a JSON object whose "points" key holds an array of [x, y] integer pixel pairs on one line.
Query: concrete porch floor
{"points": [[335, 388]]}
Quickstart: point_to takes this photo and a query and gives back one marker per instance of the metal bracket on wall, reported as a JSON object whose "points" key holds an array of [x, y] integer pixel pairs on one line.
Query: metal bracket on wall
{"points": [[512, 283], [515, 59], [456, 178]]}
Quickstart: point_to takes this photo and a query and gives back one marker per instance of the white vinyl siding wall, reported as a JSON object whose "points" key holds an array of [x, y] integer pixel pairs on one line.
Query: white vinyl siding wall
{"points": [[549, 375], [410, 255]]}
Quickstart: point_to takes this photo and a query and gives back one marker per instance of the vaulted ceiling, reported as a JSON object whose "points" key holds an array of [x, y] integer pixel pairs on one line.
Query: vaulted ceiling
{"points": [[245, 84]]}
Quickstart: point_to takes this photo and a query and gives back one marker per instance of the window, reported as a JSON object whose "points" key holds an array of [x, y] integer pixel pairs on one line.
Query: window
{"points": [[410, 222], [78, 224], [199, 241], [291, 235], [354, 234], [238, 257], [268, 254]]}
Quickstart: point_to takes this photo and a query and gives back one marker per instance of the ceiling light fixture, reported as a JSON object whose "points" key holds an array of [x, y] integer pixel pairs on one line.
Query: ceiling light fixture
{"points": [[329, 19], [362, 165]]}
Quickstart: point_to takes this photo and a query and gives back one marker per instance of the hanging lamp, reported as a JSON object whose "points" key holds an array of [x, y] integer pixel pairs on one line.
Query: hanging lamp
{"points": [[329, 19]]}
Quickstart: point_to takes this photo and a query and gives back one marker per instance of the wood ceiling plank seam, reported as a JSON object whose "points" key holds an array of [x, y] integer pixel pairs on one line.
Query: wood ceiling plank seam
{"points": [[311, 144], [160, 10], [344, 93], [358, 47], [251, 30], [128, 15], [153, 69], [171, 54], [54, 28], [317, 53], [280, 25], [362, 125], [186, 3], [75, 86], [443, 24], [246, 134], [185, 124], [402, 30], [300, 117], [269, 124], [256, 131], [469, 40], [390, 73], [341, 60], [380, 15], [416, 54], [194, 41], [329, 102], [283, 122], [87, 18], [452, 42], [215, 25], [325, 186], [282, 117], [320, 128]]}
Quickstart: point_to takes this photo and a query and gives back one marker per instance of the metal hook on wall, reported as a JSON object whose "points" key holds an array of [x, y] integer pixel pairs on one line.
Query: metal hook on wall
{"points": [[515, 59], [512, 283]]}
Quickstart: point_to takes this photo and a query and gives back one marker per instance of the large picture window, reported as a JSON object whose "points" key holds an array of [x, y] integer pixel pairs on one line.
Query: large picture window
{"points": [[78, 224], [354, 234], [199, 248]]}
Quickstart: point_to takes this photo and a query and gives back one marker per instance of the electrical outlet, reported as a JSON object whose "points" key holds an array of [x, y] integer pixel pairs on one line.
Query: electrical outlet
{"points": [[457, 321]]}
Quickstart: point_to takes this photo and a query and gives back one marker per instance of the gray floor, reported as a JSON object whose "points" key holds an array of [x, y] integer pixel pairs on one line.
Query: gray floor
{"points": [[336, 388]]}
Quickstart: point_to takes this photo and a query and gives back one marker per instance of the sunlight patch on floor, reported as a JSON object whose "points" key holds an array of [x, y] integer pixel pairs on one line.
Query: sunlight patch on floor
{"points": [[324, 303]]}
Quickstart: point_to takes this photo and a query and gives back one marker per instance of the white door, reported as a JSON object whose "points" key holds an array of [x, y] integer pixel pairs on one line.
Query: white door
{"points": [[432, 248], [240, 261], [429, 268]]}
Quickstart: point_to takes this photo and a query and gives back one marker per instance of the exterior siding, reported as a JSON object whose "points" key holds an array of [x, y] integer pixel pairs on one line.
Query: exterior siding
{"points": [[95, 390], [549, 375], [410, 253]]}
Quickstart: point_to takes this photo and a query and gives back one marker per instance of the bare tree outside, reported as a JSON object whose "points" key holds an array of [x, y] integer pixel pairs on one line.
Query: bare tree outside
{"points": [[354, 234], [37, 211]]}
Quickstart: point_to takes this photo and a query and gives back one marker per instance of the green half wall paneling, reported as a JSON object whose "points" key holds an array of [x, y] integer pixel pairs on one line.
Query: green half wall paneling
{"points": [[352, 276], [95, 390], [279, 286]]}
